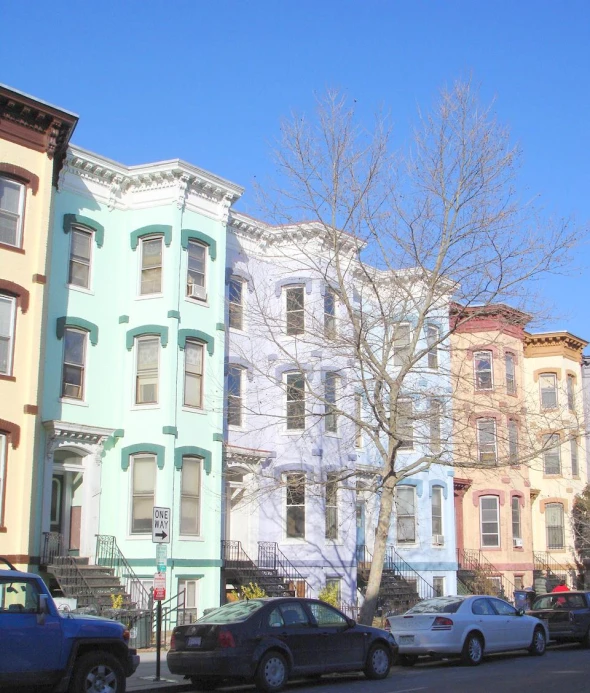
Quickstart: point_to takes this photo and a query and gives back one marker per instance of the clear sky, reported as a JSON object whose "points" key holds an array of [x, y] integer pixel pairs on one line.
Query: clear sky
{"points": [[208, 82]]}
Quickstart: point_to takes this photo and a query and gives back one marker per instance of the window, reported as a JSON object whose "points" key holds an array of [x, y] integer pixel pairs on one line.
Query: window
{"points": [[484, 379], [295, 402], [190, 494], [490, 521], [571, 404], [432, 337], [555, 527], [146, 381], [295, 506], [144, 487], [330, 313], [236, 308], [189, 587], [72, 379], [358, 413], [439, 586], [295, 310], [331, 417], [434, 422], [512, 441], [574, 454], [3, 453], [196, 271], [234, 396], [405, 424], [437, 505], [516, 527], [80, 254], [326, 616], [510, 374], [151, 266], [336, 585], [7, 317], [486, 440], [18, 596], [401, 344], [548, 385], [11, 212], [551, 454], [518, 581], [193, 374], [406, 514], [332, 507]]}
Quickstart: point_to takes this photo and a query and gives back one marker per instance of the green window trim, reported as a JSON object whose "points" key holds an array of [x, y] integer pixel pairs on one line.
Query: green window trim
{"points": [[78, 220], [151, 230], [71, 321], [183, 335], [192, 451], [170, 430], [149, 448], [187, 235], [160, 330]]}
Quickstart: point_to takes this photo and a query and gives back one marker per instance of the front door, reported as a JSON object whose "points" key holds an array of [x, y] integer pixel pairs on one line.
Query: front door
{"points": [[57, 502]]}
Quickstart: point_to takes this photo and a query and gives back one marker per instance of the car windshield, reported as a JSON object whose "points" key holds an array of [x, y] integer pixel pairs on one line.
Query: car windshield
{"points": [[232, 613], [441, 605]]}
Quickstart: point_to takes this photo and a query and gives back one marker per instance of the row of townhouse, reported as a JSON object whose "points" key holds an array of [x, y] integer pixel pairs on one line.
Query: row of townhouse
{"points": [[140, 367]]}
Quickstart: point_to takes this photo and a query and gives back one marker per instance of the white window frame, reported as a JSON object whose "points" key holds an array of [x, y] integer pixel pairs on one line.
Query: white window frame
{"points": [[570, 382], [194, 243], [83, 367], [405, 423], [437, 519], [86, 232], [551, 545], [190, 374], [478, 372], [330, 310], [21, 204], [516, 517], [9, 339], [496, 534], [548, 404], [191, 459], [145, 338], [331, 386], [292, 402], [409, 491], [3, 466], [551, 449], [235, 308], [142, 269], [485, 454], [235, 402], [402, 336], [297, 478], [297, 314], [192, 609], [331, 507], [510, 369], [432, 338], [141, 495]]}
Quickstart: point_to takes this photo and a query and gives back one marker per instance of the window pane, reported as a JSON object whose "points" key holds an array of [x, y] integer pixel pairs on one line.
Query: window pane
{"points": [[6, 333], [555, 528], [510, 374], [189, 516], [405, 424], [486, 432], [332, 507], [489, 521], [2, 473], [432, 337], [437, 511], [142, 515], [513, 441], [516, 534], [235, 304], [234, 400], [74, 346], [10, 211], [330, 313], [331, 420], [193, 367], [435, 424], [551, 454], [190, 495], [295, 501], [406, 521], [570, 393], [574, 455], [295, 310], [548, 386], [144, 474], [295, 401], [401, 340], [147, 370], [196, 268], [10, 192], [483, 370], [193, 391]]}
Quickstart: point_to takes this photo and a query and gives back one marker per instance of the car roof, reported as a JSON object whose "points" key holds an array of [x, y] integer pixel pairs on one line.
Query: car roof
{"points": [[14, 574]]}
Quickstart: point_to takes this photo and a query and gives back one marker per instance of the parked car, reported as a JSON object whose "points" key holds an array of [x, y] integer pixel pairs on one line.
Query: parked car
{"points": [[270, 640], [567, 615], [43, 647], [465, 626]]}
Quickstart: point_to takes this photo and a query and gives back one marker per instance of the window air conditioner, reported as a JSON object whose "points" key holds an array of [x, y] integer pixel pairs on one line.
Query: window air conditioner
{"points": [[197, 291], [517, 543], [438, 540]]}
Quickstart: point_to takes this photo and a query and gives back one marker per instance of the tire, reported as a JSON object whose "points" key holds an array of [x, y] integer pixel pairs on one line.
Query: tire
{"points": [[472, 653], [378, 662], [272, 672], [97, 672], [203, 683], [406, 660], [539, 643]]}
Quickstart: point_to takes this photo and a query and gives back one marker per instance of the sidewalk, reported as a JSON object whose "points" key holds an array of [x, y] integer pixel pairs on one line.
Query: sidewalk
{"points": [[143, 679]]}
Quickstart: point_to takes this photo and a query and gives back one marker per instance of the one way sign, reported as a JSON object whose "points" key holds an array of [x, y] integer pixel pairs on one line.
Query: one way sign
{"points": [[161, 526]]}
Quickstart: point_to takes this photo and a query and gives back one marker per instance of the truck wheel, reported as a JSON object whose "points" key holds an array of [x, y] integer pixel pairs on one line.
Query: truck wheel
{"points": [[98, 672]]}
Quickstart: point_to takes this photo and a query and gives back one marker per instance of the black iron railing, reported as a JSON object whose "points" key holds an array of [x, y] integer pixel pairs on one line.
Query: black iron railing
{"points": [[270, 557], [484, 577], [109, 555], [554, 571], [52, 545], [72, 582]]}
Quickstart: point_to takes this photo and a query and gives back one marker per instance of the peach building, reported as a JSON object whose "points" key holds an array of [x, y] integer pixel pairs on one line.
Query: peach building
{"points": [[33, 141]]}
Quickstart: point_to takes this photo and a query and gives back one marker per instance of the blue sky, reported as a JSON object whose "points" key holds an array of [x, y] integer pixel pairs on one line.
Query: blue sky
{"points": [[208, 82]]}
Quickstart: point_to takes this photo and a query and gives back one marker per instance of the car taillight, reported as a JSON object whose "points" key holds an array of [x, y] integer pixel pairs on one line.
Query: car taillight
{"points": [[173, 641], [225, 638], [442, 623]]}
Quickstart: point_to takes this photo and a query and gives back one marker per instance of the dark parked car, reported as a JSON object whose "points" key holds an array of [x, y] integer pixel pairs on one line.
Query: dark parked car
{"points": [[567, 615], [271, 640]]}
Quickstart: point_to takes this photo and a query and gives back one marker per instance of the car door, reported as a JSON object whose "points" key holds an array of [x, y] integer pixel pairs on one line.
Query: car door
{"points": [[342, 646], [290, 623], [517, 631], [30, 641], [486, 619]]}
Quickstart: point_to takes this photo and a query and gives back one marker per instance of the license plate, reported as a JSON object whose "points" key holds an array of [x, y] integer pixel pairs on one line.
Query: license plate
{"points": [[406, 639], [194, 642]]}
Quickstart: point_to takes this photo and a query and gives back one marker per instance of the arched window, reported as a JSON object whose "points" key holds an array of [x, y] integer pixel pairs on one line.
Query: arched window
{"points": [[489, 513], [555, 526], [483, 369]]}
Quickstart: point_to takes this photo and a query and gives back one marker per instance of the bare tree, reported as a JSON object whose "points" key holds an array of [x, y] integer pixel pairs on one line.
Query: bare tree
{"points": [[395, 239]]}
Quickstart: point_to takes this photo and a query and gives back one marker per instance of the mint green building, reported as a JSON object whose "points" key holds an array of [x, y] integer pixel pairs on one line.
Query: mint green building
{"points": [[134, 366]]}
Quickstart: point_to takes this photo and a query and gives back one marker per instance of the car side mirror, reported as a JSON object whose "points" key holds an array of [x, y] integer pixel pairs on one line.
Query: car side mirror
{"points": [[43, 610], [351, 622], [520, 612]]}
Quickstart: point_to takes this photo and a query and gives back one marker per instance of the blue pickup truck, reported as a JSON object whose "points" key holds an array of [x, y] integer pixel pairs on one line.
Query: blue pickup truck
{"points": [[42, 646]]}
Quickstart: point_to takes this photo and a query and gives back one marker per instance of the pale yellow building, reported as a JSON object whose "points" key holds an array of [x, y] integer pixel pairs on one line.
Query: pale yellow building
{"points": [[33, 141]]}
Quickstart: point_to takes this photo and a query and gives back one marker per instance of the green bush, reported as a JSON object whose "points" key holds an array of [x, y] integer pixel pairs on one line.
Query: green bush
{"points": [[330, 595]]}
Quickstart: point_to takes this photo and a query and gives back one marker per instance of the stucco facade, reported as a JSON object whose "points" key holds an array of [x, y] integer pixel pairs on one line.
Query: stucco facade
{"points": [[33, 138], [133, 402]]}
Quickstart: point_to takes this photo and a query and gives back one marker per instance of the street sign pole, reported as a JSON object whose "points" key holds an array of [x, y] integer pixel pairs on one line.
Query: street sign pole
{"points": [[158, 638], [161, 537]]}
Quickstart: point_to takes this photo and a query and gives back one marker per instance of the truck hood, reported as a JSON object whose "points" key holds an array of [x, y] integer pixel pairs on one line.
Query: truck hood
{"points": [[83, 625]]}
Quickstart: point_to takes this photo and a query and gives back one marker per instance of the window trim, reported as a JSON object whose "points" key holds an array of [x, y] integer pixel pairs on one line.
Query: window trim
{"points": [[12, 301], [437, 491], [551, 547], [199, 496], [289, 330], [83, 367], [481, 523], [78, 228], [554, 390], [197, 242], [201, 375], [142, 241], [138, 339], [516, 517], [303, 478], [476, 371], [132, 489], [287, 376], [480, 451], [398, 515], [19, 244]]}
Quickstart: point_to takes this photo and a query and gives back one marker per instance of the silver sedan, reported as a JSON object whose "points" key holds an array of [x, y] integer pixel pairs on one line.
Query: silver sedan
{"points": [[465, 626]]}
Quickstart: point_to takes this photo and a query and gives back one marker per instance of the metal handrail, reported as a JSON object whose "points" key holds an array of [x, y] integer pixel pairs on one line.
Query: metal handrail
{"points": [[486, 573], [270, 557], [396, 564], [109, 555], [53, 545], [72, 581], [545, 561]]}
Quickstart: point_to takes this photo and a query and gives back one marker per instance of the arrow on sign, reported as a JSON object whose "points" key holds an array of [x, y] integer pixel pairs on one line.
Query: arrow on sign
{"points": [[162, 535]]}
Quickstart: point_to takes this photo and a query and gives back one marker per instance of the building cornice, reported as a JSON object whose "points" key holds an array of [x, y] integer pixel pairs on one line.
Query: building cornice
{"points": [[78, 433], [554, 344]]}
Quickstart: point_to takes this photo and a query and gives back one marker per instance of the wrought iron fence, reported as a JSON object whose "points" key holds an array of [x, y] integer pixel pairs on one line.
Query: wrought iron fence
{"points": [[554, 571], [270, 557], [52, 546], [394, 562], [485, 578], [73, 583]]}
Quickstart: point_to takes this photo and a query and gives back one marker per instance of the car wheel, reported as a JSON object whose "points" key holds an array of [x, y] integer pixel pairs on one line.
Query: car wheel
{"points": [[539, 643], [378, 662], [472, 650], [407, 660], [271, 674], [98, 672], [204, 684], [585, 641]]}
